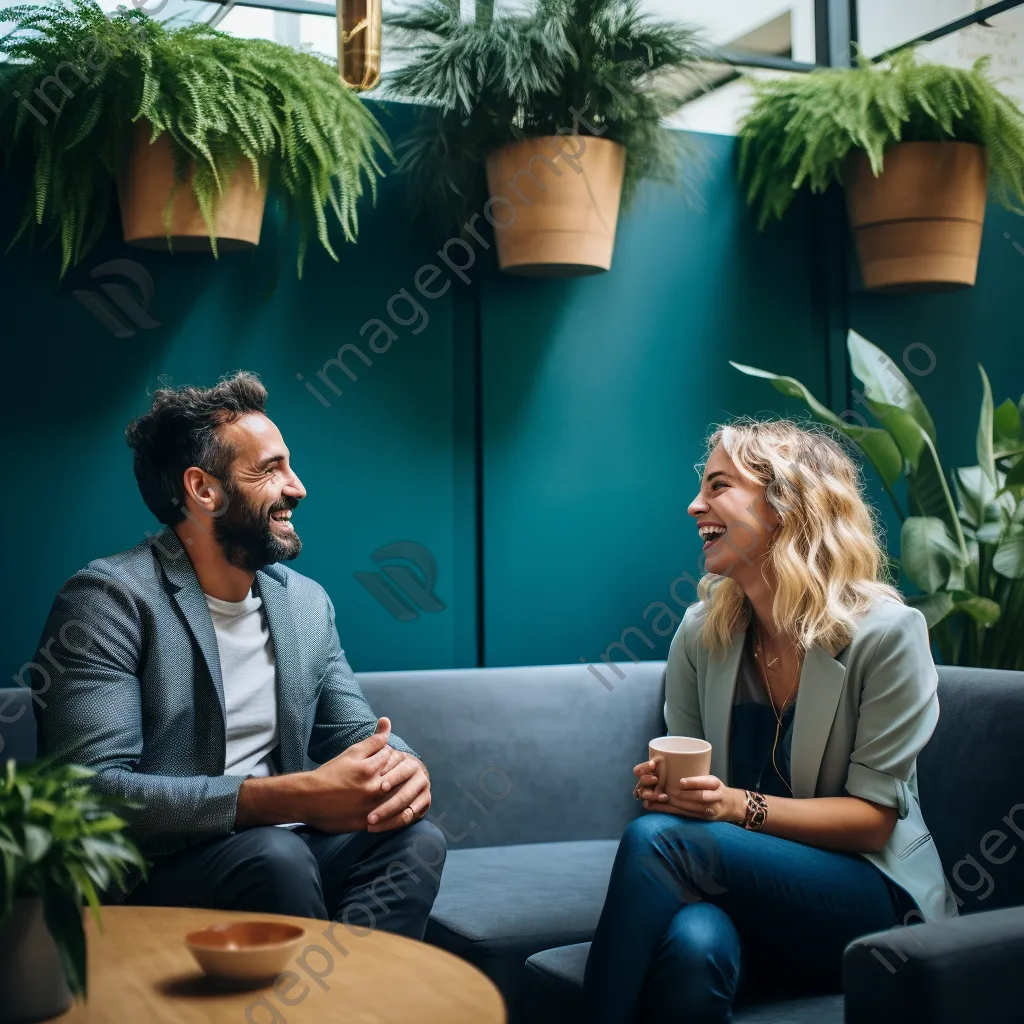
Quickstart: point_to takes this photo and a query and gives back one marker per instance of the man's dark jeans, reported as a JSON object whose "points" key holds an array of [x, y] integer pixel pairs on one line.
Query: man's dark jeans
{"points": [[385, 880]]}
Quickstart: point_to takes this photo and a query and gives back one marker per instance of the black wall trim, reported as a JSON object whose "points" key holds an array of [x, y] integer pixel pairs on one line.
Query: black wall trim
{"points": [[953, 26], [478, 474]]}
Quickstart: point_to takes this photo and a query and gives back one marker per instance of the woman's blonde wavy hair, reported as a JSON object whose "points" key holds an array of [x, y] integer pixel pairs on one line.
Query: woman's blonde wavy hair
{"points": [[826, 558]]}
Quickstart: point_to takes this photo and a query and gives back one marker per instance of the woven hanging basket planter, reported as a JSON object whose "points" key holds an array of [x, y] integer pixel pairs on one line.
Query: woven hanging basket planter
{"points": [[918, 225], [145, 184], [555, 204]]}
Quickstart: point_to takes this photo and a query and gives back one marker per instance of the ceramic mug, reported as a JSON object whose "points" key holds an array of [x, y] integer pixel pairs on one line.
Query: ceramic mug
{"points": [[679, 757]]}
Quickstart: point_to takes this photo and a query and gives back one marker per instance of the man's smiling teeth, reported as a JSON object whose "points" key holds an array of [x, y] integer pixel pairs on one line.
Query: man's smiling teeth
{"points": [[283, 516], [710, 532]]}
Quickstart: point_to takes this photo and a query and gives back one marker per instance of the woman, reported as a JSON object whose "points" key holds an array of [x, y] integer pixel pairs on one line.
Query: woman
{"points": [[815, 686]]}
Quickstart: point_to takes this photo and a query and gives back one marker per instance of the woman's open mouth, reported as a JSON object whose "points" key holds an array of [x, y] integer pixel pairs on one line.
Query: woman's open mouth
{"points": [[711, 535]]}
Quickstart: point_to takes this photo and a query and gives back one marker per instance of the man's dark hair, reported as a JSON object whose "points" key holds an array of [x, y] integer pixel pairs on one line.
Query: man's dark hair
{"points": [[180, 430]]}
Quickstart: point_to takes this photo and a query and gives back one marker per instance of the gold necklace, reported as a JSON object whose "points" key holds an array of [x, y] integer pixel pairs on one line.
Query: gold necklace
{"points": [[763, 671], [759, 658]]}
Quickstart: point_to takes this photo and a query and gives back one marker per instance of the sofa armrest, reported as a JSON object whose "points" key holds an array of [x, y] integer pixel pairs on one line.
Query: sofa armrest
{"points": [[961, 970]]}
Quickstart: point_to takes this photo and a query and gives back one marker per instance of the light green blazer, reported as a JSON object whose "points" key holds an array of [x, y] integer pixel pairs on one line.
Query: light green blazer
{"points": [[860, 720]]}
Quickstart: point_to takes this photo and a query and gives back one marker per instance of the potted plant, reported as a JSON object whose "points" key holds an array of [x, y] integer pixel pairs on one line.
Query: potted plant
{"points": [[543, 120], [966, 557], [915, 146], [187, 124], [59, 844]]}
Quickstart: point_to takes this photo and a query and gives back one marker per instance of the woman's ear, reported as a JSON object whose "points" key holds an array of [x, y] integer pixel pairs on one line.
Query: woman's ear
{"points": [[785, 494], [770, 513]]}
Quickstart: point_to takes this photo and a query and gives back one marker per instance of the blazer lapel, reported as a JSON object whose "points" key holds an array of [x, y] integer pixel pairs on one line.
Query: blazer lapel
{"points": [[718, 697], [192, 602], [821, 683], [272, 586]]}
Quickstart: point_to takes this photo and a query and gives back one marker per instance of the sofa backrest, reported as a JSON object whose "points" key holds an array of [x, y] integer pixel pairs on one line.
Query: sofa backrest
{"points": [[522, 755], [526, 755], [971, 784], [516, 755]]}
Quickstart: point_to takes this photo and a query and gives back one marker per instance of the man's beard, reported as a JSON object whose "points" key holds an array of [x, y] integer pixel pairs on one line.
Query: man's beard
{"points": [[246, 536]]}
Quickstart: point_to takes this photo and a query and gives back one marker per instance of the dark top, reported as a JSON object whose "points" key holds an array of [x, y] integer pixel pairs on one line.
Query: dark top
{"points": [[750, 757], [754, 728]]}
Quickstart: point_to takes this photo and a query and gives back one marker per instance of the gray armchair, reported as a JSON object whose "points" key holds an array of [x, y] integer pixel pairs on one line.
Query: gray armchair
{"points": [[943, 973]]}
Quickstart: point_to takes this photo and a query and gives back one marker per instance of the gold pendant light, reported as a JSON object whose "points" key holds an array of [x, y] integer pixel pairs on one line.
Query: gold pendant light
{"points": [[359, 32]]}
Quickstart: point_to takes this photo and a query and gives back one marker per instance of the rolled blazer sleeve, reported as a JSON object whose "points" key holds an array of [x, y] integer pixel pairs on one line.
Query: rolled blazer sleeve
{"points": [[899, 709], [682, 700]]}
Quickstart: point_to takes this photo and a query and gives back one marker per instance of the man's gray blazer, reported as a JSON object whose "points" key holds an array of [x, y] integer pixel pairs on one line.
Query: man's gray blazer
{"points": [[127, 681]]}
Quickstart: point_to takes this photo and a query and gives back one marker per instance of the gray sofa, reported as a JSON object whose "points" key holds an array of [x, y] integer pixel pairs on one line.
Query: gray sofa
{"points": [[531, 772]]}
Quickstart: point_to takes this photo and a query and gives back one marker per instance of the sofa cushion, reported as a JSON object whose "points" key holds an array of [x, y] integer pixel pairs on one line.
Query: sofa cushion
{"points": [[554, 993], [499, 905], [541, 754]]}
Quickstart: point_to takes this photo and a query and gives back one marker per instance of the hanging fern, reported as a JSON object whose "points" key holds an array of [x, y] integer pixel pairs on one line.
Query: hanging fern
{"points": [[75, 81], [511, 75], [801, 129]]}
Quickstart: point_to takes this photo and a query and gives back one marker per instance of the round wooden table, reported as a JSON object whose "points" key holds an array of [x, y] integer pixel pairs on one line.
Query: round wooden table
{"points": [[141, 971]]}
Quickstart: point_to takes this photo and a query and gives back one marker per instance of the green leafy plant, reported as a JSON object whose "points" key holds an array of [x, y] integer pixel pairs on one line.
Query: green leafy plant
{"points": [[801, 129], [74, 82], [508, 76], [966, 557], [59, 841]]}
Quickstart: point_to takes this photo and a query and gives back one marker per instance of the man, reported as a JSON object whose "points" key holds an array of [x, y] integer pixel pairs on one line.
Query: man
{"points": [[203, 680]]}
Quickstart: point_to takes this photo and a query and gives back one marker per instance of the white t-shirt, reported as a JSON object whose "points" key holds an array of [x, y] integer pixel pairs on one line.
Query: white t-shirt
{"points": [[250, 684]]}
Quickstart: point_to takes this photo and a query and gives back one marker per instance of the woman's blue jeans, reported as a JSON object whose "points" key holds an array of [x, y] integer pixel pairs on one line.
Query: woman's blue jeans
{"points": [[702, 914]]}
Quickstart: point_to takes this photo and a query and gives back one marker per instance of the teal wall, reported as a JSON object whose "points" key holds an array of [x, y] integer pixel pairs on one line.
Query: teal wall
{"points": [[983, 324], [568, 414], [947, 335], [387, 461], [597, 398]]}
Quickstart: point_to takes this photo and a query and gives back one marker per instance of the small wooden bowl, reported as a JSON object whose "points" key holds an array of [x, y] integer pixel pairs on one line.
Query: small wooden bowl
{"points": [[245, 952]]}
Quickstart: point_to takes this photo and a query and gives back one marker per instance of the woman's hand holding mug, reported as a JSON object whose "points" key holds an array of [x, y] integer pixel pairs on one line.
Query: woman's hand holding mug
{"points": [[702, 796]]}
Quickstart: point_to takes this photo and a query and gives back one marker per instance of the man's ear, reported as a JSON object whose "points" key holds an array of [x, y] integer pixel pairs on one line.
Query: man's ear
{"points": [[205, 491]]}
